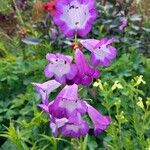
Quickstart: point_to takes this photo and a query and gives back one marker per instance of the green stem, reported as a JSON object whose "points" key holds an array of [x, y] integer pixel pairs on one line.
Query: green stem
{"points": [[81, 143], [76, 39], [24, 54], [18, 13], [55, 144]]}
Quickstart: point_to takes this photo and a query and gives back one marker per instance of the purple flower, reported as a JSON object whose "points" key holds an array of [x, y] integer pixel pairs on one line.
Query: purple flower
{"points": [[60, 67], [85, 72], [55, 124], [75, 16], [100, 122], [21, 3], [123, 24], [53, 33], [45, 89], [67, 103], [66, 111], [102, 53], [75, 127]]}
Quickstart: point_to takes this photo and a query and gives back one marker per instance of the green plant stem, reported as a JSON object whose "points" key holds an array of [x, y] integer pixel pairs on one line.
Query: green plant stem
{"points": [[55, 144], [24, 54], [76, 40], [81, 143], [18, 13]]}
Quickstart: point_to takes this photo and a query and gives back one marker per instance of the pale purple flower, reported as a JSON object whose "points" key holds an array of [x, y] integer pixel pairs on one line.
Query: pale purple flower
{"points": [[100, 122], [75, 127], [75, 16], [67, 103], [86, 73], [123, 24], [55, 124], [45, 89], [21, 3], [102, 53], [53, 33], [61, 67]]}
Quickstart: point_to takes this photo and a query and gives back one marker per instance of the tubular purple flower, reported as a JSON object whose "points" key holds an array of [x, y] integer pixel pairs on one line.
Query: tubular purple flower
{"points": [[60, 67], [67, 103], [55, 124], [75, 16], [102, 53], [45, 89], [86, 73], [100, 122], [75, 127]]}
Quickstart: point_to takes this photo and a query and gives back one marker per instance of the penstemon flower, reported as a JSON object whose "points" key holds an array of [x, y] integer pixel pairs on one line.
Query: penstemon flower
{"points": [[61, 67], [46, 88], [75, 127], [100, 122], [55, 124], [67, 103], [102, 53], [75, 16], [86, 73]]}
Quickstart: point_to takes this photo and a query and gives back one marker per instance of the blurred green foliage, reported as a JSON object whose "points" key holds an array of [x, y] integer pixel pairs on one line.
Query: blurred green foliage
{"points": [[122, 91]]}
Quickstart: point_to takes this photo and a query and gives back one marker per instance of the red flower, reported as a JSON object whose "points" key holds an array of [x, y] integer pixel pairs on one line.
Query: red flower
{"points": [[50, 7]]}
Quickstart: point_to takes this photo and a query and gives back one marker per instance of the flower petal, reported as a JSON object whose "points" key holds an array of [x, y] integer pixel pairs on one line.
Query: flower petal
{"points": [[85, 72], [100, 122], [46, 88], [60, 67], [75, 127], [67, 103], [101, 52], [55, 124]]}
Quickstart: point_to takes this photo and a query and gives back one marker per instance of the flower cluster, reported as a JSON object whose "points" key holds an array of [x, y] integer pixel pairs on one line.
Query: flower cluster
{"points": [[66, 111]]}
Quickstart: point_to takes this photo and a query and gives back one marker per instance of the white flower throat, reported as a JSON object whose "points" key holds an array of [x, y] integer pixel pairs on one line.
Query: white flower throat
{"points": [[75, 15], [59, 67]]}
